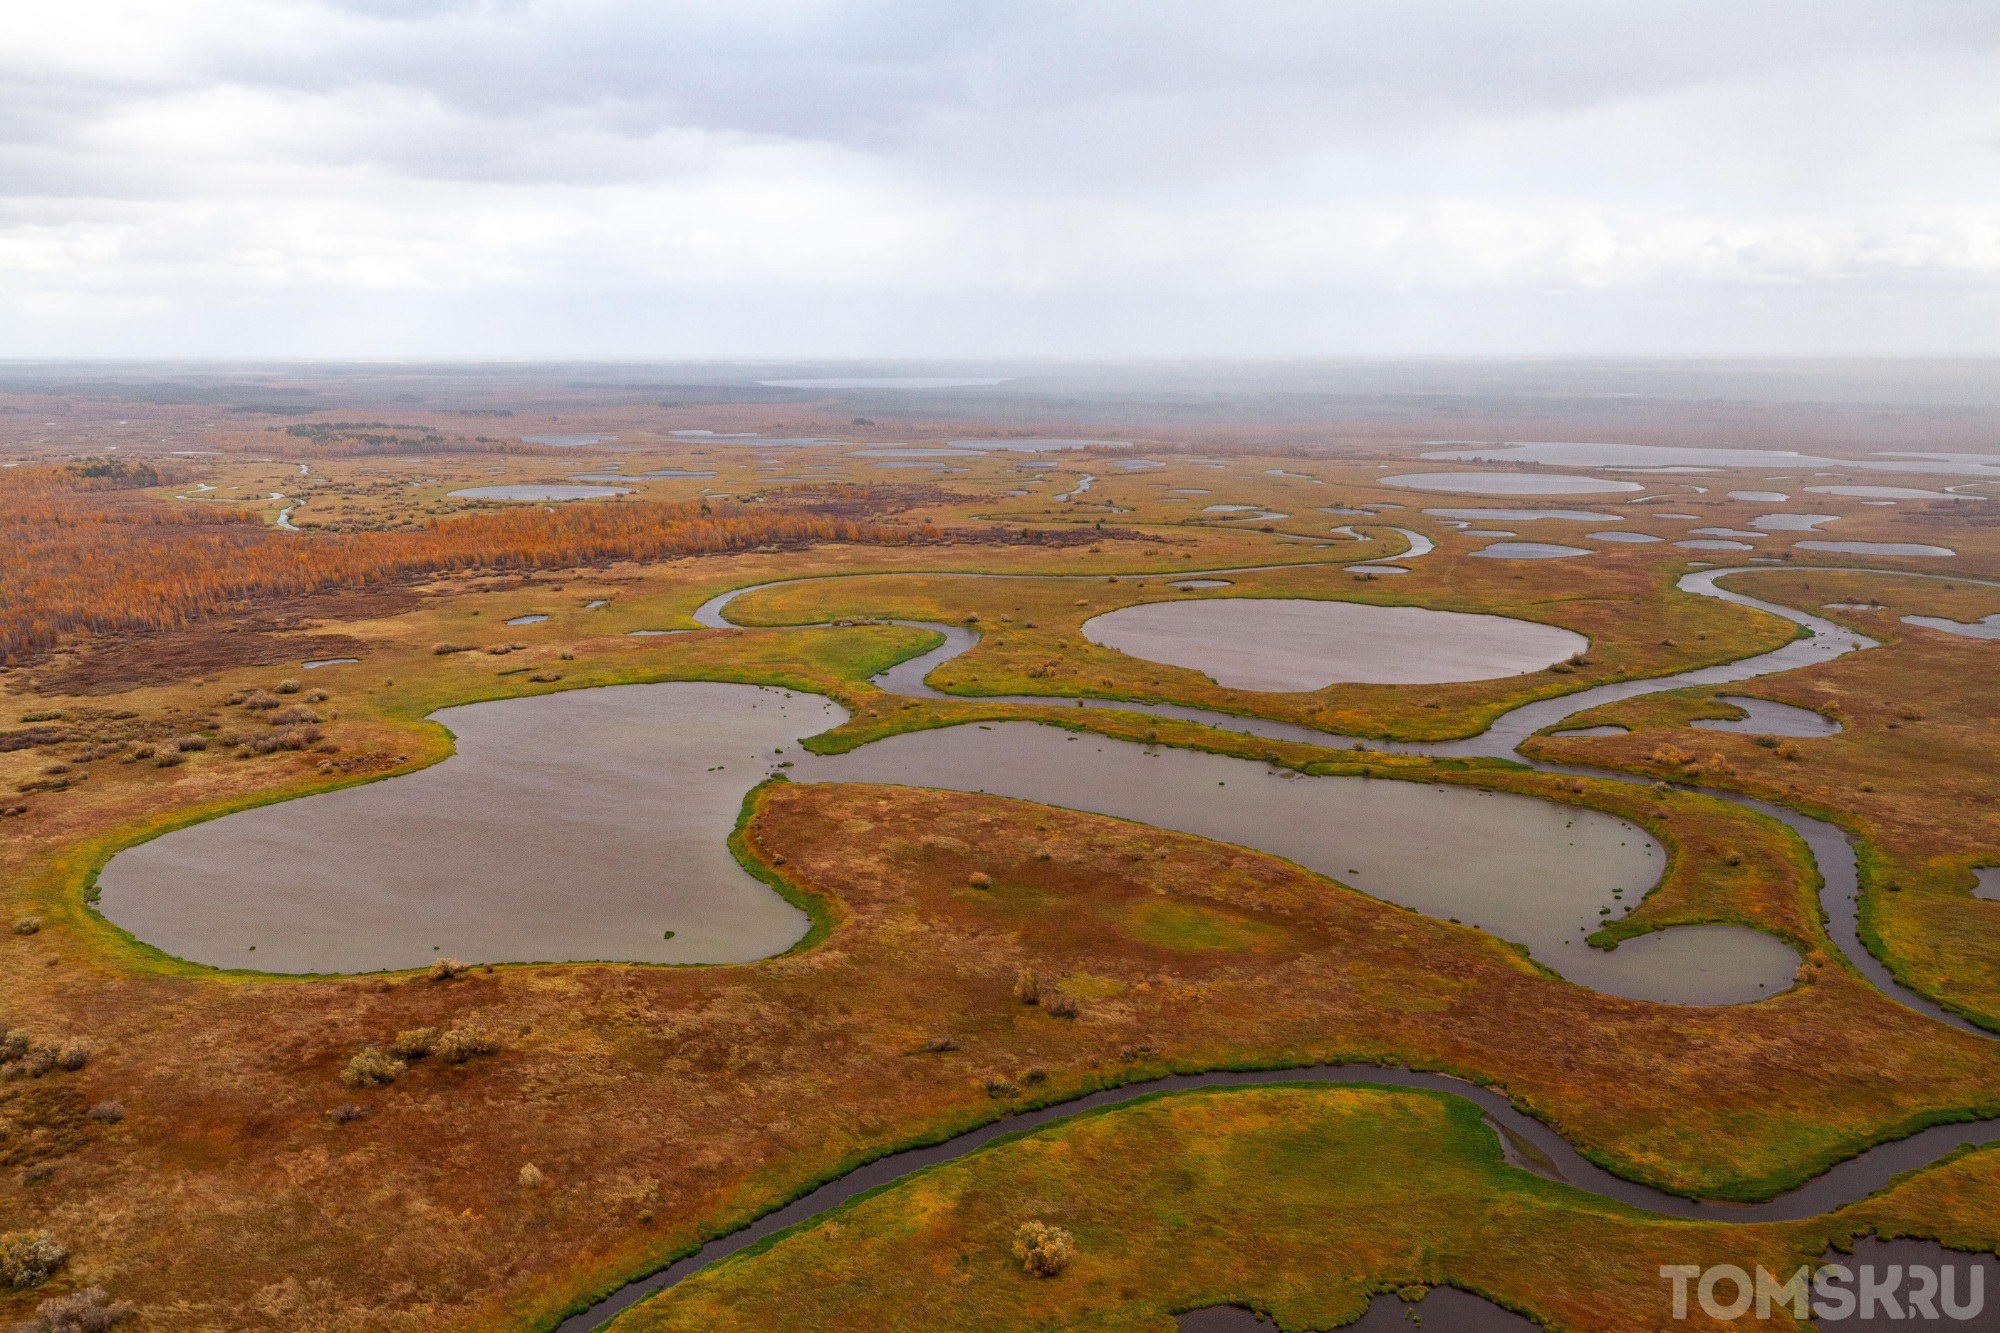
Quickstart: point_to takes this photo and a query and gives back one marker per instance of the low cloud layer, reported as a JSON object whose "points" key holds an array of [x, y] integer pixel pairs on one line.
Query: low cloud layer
{"points": [[224, 177]]}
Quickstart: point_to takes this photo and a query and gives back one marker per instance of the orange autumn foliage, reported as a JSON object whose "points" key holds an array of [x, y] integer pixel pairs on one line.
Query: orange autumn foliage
{"points": [[77, 557]]}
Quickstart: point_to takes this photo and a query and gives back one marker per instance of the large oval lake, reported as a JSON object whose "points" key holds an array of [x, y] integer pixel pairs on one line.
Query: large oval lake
{"points": [[1288, 644]]}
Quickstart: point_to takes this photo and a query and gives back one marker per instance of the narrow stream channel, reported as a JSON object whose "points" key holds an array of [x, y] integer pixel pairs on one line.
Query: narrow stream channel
{"points": [[1527, 1142]]}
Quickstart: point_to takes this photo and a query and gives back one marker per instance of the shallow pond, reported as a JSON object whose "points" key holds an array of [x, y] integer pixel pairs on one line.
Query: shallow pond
{"points": [[1623, 537], [1987, 627], [573, 826], [1529, 551], [314, 663], [1792, 522], [1767, 717], [1510, 483], [532, 618], [1289, 644], [1527, 870], [1876, 548], [1526, 515], [539, 492]]}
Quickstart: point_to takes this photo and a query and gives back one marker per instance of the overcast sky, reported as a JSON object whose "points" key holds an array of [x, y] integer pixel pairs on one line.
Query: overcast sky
{"points": [[395, 178]]}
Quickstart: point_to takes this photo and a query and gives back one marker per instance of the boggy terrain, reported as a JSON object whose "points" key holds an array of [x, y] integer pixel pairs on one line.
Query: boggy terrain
{"points": [[487, 1146]]}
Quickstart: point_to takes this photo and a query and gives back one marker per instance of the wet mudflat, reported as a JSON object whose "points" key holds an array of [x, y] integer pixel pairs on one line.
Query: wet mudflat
{"points": [[573, 826], [1282, 644]]}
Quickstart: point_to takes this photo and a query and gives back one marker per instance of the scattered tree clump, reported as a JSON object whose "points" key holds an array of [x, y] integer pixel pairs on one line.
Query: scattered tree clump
{"points": [[1044, 1251], [29, 1258]]}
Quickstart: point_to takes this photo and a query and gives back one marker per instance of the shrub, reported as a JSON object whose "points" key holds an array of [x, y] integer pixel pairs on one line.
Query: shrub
{"points": [[531, 1177], [259, 701], [546, 677], [461, 1043], [1044, 1251], [27, 1258], [74, 1054], [371, 1067], [288, 686], [448, 969], [317, 696], [297, 713], [347, 1112], [1028, 987], [937, 1046], [414, 1043], [1060, 1006], [191, 743], [35, 1062], [28, 925], [14, 1044], [444, 648], [979, 879], [109, 1113], [169, 756], [86, 1311], [997, 1087]]}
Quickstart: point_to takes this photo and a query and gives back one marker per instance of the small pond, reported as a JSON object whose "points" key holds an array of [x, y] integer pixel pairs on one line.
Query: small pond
{"points": [[314, 663], [1792, 522], [539, 492], [1769, 718], [532, 618], [1529, 551], [1876, 548], [1526, 515], [1623, 536], [1987, 627], [1289, 644], [1510, 483]]}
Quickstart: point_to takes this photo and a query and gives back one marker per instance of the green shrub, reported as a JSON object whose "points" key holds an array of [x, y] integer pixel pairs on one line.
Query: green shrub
{"points": [[372, 1067], [414, 1043], [1044, 1251], [461, 1043], [28, 1258]]}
